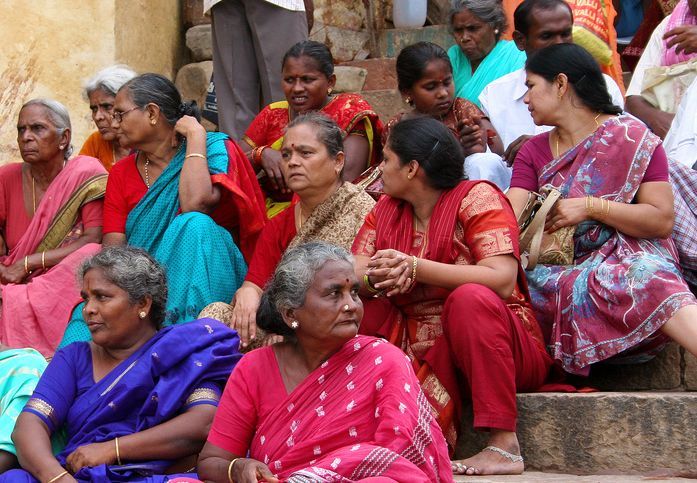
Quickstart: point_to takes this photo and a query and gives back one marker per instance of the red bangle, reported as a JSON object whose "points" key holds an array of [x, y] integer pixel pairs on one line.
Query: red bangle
{"points": [[256, 154]]}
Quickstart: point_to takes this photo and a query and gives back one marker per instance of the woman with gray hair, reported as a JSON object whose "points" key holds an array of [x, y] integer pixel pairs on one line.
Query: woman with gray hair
{"points": [[327, 209], [50, 219], [138, 400], [480, 56], [100, 91], [326, 404], [190, 198]]}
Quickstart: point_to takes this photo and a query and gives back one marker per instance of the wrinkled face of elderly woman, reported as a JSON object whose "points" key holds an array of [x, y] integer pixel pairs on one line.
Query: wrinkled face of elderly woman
{"points": [[332, 310], [102, 107], [475, 37], [38, 137], [111, 318], [306, 163]]}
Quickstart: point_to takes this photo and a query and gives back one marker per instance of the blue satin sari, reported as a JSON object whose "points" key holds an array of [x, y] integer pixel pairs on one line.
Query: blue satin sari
{"points": [[180, 367]]}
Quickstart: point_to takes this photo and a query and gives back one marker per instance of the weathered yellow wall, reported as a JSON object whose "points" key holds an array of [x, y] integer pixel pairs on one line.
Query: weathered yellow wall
{"points": [[49, 48]]}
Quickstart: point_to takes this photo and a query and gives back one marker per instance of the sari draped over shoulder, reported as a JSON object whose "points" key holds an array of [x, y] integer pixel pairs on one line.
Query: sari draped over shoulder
{"points": [[20, 370], [503, 59], [681, 15], [351, 113], [337, 219], [177, 368], [361, 414], [621, 289], [35, 313], [412, 321]]}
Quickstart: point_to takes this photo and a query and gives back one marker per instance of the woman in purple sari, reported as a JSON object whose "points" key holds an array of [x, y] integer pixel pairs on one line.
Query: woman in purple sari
{"points": [[136, 402], [624, 295]]}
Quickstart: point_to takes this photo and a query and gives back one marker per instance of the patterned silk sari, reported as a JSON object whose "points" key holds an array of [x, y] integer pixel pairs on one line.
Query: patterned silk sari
{"points": [[35, 313], [469, 222], [179, 367], [361, 414], [621, 289]]}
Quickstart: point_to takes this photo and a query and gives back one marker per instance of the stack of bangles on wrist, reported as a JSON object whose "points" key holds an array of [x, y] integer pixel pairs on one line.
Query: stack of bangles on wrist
{"points": [[604, 206], [256, 154]]}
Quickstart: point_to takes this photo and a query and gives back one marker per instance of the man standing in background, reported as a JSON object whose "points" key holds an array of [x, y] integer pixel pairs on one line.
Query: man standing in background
{"points": [[250, 38]]}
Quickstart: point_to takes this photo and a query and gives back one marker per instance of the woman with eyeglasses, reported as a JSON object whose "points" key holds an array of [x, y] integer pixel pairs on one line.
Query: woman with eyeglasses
{"points": [[188, 197]]}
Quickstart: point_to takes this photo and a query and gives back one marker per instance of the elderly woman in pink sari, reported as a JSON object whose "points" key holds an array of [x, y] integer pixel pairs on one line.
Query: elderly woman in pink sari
{"points": [[326, 404], [51, 219]]}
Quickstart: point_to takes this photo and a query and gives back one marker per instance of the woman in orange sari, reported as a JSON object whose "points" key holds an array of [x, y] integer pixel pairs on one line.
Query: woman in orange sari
{"points": [[308, 80], [445, 253]]}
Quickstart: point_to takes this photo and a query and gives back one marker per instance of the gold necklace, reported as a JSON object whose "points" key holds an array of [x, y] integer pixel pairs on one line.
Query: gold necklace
{"points": [[556, 131], [145, 167]]}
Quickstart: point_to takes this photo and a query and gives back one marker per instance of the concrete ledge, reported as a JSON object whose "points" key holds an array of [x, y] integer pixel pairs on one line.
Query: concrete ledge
{"points": [[391, 41], [604, 431]]}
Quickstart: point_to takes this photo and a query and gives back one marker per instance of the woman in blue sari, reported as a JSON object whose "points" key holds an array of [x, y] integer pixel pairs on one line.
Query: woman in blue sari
{"points": [[480, 55], [137, 401], [188, 197]]}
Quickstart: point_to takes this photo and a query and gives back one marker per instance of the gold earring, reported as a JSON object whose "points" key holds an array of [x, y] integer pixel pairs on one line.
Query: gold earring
{"points": [[407, 100], [329, 91], [153, 122], [142, 314], [294, 324]]}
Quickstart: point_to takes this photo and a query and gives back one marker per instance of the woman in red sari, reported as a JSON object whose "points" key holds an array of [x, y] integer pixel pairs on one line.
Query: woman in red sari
{"points": [[444, 251], [325, 208], [308, 79], [326, 404]]}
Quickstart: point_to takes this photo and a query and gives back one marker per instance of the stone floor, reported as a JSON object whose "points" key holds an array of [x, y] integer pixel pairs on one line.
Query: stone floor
{"points": [[536, 477]]}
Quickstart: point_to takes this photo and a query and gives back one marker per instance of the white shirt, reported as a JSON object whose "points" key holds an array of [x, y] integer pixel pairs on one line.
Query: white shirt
{"points": [[681, 141], [295, 5], [651, 57], [502, 102]]}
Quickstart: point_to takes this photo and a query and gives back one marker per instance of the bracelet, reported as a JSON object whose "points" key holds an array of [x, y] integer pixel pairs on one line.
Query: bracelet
{"points": [[58, 477], [43, 260], [229, 470], [368, 285], [26, 265], [256, 154], [414, 262], [195, 155], [118, 455]]}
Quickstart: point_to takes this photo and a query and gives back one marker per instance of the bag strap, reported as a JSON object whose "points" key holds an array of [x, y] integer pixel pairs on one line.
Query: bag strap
{"points": [[532, 237]]}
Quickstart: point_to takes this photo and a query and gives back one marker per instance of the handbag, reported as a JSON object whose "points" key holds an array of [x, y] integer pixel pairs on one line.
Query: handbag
{"points": [[370, 181], [536, 246]]}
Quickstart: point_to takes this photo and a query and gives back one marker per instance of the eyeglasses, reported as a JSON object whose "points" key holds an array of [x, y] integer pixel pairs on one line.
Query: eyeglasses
{"points": [[118, 115]]}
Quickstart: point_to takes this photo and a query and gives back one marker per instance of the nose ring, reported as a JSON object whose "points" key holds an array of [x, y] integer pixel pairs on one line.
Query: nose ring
{"points": [[346, 308]]}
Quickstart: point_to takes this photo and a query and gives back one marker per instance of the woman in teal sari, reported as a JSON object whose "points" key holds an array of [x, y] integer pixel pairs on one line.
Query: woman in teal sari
{"points": [[480, 56], [188, 197]]}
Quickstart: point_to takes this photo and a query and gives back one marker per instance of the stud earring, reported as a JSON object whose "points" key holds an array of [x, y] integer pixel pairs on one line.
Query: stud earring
{"points": [[407, 100], [329, 91], [142, 314], [153, 122], [294, 324], [496, 31]]}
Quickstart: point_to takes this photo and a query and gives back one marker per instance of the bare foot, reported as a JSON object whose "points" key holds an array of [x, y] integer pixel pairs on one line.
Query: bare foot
{"points": [[491, 462]]}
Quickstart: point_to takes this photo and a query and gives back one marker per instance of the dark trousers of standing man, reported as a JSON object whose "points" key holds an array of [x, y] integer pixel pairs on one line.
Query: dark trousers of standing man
{"points": [[250, 38]]}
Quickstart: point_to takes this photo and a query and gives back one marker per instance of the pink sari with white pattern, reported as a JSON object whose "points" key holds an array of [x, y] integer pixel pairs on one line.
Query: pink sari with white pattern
{"points": [[359, 415]]}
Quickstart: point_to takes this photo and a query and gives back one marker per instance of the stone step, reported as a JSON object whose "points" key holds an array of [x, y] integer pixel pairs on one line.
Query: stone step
{"points": [[623, 432], [386, 102], [381, 73], [537, 477], [391, 41]]}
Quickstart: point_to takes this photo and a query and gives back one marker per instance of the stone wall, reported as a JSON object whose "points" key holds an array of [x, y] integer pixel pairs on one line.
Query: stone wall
{"points": [[50, 48]]}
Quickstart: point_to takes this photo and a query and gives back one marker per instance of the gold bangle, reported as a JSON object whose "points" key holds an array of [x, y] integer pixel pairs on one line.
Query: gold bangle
{"points": [[26, 265], [118, 455], [368, 285], [229, 470], [413, 270], [195, 155], [58, 477], [43, 260]]}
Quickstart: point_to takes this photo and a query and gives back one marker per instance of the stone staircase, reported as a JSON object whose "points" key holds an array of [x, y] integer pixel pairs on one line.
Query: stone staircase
{"points": [[642, 420]]}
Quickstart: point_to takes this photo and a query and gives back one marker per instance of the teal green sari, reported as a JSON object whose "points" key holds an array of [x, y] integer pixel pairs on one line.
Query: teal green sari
{"points": [[503, 59], [202, 261]]}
